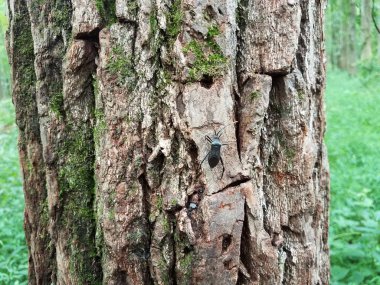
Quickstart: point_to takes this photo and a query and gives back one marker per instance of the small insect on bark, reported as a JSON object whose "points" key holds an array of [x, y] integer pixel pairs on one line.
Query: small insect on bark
{"points": [[214, 154]]}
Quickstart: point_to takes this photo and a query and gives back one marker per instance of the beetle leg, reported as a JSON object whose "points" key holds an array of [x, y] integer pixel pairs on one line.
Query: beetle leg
{"points": [[221, 161], [208, 139], [205, 158]]}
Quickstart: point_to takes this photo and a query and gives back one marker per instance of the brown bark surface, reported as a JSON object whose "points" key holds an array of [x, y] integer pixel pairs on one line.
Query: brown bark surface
{"points": [[113, 102]]}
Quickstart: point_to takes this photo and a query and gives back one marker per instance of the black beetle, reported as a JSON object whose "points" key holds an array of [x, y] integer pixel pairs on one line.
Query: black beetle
{"points": [[214, 155]]}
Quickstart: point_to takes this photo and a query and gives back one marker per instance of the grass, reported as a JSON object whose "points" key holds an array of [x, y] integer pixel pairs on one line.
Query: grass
{"points": [[353, 141], [13, 250]]}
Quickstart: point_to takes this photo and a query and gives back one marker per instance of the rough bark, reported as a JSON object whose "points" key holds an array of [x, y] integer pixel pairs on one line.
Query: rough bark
{"points": [[121, 95]]}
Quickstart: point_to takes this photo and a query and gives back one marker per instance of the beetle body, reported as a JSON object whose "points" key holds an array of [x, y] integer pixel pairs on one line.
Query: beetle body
{"points": [[214, 153]]}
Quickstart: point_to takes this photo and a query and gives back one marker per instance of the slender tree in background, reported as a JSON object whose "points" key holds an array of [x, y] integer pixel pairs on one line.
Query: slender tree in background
{"points": [[113, 102], [366, 26], [348, 49]]}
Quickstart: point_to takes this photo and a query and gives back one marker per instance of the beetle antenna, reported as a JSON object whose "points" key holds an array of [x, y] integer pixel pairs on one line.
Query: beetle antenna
{"points": [[208, 139], [220, 131]]}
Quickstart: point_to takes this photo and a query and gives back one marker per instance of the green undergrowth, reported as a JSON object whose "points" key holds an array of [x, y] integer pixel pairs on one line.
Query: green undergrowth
{"points": [[353, 141], [13, 250]]}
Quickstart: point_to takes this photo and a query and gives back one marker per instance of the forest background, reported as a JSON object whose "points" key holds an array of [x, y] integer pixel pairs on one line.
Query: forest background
{"points": [[353, 140]]}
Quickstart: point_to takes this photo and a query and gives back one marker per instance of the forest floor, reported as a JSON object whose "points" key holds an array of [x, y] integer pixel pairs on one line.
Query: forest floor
{"points": [[353, 141], [13, 251]]}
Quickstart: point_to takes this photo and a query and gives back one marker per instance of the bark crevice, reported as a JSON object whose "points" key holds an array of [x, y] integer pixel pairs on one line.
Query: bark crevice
{"points": [[245, 250]]}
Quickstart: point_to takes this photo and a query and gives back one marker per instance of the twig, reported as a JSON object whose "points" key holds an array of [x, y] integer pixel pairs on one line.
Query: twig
{"points": [[373, 17]]}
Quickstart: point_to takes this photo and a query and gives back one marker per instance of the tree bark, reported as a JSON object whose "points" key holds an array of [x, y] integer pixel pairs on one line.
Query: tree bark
{"points": [[113, 102]]}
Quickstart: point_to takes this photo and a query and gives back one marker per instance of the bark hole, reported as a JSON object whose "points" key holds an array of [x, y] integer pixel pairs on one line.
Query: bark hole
{"points": [[210, 12], [226, 242], [92, 36], [207, 81]]}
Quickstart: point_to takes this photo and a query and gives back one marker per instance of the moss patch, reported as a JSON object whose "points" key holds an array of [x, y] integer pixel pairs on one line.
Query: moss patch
{"points": [[185, 258], [77, 173], [174, 20], [254, 95], [62, 14], [76, 182], [56, 104], [100, 125], [209, 59], [122, 67], [23, 48], [107, 10]]}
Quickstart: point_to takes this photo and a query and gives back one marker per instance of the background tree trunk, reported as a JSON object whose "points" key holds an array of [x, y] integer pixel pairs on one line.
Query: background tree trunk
{"points": [[366, 26], [348, 37], [113, 101]]}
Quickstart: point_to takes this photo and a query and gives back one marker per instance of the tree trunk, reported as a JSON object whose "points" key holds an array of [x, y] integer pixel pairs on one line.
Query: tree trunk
{"points": [[366, 25], [113, 102], [348, 37], [351, 38]]}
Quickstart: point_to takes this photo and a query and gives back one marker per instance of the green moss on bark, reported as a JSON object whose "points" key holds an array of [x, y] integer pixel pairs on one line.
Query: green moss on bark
{"points": [[100, 126], [77, 172], [56, 104], [23, 49], [107, 10], [174, 21], [185, 258], [209, 59], [62, 14], [24, 98], [76, 183], [122, 67]]}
